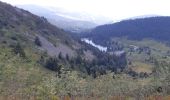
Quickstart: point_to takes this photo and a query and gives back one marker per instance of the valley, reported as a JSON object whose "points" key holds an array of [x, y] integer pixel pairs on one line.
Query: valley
{"points": [[41, 60]]}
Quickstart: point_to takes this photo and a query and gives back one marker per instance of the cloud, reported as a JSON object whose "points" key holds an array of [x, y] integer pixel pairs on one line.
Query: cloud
{"points": [[116, 9]]}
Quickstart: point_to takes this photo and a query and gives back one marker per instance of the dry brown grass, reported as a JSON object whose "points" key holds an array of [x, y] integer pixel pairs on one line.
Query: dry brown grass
{"points": [[142, 67]]}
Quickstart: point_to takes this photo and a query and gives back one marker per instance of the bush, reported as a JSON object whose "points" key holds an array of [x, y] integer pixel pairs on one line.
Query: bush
{"points": [[38, 42], [60, 56], [17, 49], [52, 64]]}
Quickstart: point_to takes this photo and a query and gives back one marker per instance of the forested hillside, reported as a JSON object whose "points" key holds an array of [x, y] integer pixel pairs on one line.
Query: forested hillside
{"points": [[39, 61], [154, 27]]}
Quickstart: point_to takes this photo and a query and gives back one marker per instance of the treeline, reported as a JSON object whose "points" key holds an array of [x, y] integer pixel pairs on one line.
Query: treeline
{"points": [[155, 27], [94, 68], [102, 63]]}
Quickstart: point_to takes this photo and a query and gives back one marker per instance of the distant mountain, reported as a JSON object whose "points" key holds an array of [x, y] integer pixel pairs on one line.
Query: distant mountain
{"points": [[73, 22], [80, 15], [152, 27], [143, 16], [134, 18], [41, 61]]}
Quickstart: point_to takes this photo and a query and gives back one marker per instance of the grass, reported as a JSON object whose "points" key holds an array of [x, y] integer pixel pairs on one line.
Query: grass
{"points": [[26, 79], [142, 67], [22, 77], [158, 51]]}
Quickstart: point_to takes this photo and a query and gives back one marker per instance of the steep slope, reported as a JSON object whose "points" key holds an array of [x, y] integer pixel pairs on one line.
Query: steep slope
{"points": [[22, 31], [16, 22], [27, 43], [154, 27]]}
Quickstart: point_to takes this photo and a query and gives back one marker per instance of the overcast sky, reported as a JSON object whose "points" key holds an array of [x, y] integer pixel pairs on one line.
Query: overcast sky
{"points": [[115, 9]]}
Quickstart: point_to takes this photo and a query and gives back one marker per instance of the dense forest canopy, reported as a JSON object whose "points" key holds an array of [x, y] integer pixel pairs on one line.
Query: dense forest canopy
{"points": [[154, 27]]}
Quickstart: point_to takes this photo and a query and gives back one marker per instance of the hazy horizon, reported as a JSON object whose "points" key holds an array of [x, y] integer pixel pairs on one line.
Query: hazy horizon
{"points": [[111, 9]]}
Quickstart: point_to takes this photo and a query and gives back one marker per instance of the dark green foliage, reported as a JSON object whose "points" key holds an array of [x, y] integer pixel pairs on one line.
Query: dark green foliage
{"points": [[104, 61], [18, 49], [66, 42], [42, 60], [154, 27], [143, 75], [38, 42], [79, 59], [4, 42], [67, 57], [52, 63], [100, 66], [14, 38], [60, 56], [132, 73]]}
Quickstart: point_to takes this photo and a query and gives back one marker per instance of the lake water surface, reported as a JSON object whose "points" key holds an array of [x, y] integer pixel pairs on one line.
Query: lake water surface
{"points": [[88, 41]]}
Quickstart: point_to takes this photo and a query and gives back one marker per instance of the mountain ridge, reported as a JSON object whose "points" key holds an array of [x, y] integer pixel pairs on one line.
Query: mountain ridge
{"points": [[25, 30], [60, 19], [152, 27]]}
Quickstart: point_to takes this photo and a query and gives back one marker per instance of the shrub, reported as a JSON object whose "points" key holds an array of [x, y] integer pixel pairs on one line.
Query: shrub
{"points": [[52, 64], [38, 42], [17, 49]]}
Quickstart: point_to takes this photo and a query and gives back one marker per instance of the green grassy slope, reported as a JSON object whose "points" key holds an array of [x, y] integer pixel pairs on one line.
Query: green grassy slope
{"points": [[25, 78]]}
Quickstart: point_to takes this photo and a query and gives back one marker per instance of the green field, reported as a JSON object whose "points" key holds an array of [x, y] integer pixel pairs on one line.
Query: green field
{"points": [[25, 78]]}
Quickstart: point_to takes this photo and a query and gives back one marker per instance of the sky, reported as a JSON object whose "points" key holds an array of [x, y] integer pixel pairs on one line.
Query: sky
{"points": [[114, 9]]}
